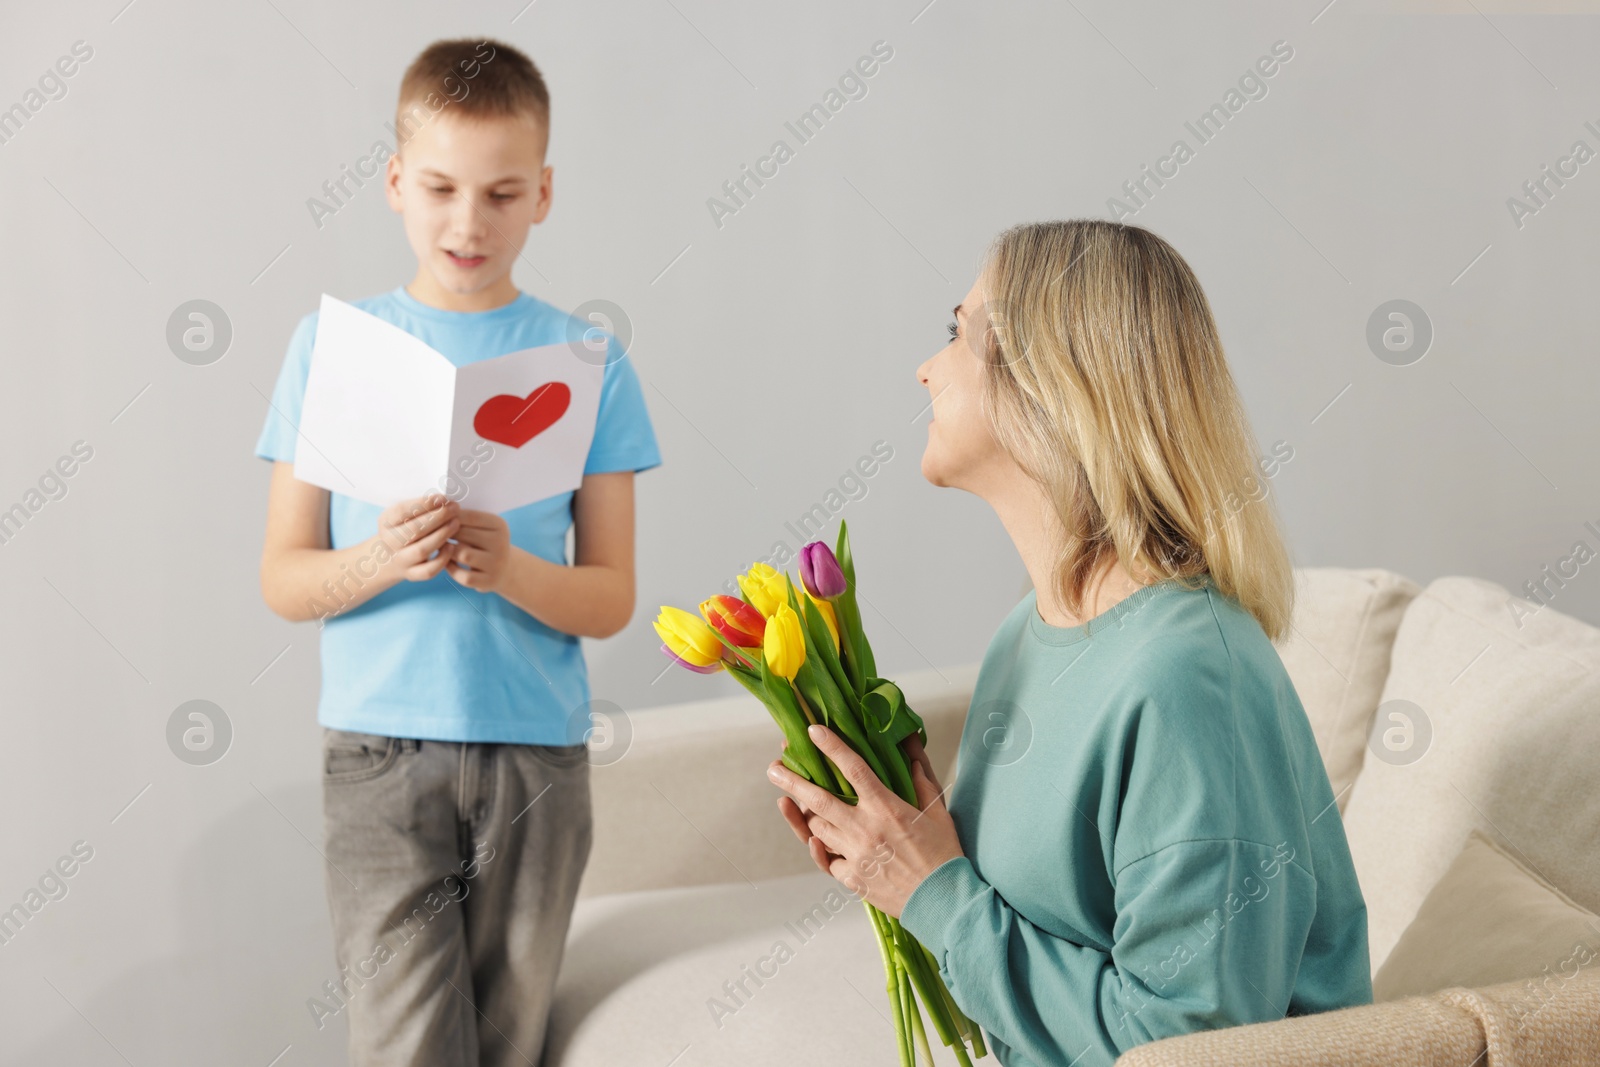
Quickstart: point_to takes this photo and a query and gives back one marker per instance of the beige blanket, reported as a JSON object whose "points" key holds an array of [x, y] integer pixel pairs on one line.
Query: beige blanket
{"points": [[1550, 1022]]}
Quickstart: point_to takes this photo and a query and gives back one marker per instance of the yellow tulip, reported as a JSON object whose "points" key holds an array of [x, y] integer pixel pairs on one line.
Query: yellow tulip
{"points": [[764, 587], [824, 607], [688, 637], [784, 644]]}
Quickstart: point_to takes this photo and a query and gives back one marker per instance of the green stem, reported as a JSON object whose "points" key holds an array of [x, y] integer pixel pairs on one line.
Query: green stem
{"points": [[751, 683], [838, 776], [916, 966], [875, 917], [908, 1007], [919, 1034], [843, 782], [899, 769]]}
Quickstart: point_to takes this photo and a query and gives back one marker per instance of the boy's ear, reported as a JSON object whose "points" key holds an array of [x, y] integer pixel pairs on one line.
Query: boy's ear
{"points": [[546, 194], [392, 172]]}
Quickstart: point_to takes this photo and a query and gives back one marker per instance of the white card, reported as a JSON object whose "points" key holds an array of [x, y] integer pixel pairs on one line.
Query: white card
{"points": [[387, 417]]}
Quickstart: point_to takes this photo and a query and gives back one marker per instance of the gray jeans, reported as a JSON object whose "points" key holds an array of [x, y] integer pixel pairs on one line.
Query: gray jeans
{"points": [[451, 875]]}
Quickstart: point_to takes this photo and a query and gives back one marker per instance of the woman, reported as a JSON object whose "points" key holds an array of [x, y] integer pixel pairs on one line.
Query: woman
{"points": [[1142, 840]]}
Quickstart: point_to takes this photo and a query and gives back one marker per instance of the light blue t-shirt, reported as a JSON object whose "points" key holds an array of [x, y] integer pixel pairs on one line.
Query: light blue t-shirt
{"points": [[435, 660]]}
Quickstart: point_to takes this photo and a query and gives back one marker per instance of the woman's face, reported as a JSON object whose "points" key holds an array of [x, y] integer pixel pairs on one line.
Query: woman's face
{"points": [[961, 452]]}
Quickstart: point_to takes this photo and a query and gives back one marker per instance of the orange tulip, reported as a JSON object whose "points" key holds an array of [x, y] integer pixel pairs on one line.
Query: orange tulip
{"points": [[731, 617]]}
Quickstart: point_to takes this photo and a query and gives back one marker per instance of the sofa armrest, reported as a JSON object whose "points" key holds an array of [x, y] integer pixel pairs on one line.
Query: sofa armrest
{"points": [[689, 803], [1552, 1021]]}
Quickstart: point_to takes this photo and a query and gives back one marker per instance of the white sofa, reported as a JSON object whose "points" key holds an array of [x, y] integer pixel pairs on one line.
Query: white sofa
{"points": [[705, 936]]}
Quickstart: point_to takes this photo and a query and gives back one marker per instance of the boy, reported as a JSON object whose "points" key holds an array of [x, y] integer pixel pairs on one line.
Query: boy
{"points": [[455, 774]]}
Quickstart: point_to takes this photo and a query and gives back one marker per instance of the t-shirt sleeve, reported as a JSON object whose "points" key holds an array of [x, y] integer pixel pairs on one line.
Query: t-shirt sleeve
{"points": [[282, 427], [1208, 934], [624, 439]]}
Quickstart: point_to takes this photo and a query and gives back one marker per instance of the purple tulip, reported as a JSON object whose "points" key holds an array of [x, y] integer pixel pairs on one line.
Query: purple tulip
{"points": [[680, 661], [820, 572]]}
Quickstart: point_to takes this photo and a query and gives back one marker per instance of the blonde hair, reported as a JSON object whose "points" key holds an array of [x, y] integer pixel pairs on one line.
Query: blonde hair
{"points": [[478, 79], [1105, 380]]}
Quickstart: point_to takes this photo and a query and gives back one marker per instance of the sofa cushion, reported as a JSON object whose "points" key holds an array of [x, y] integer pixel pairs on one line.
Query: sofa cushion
{"points": [[1527, 1023], [655, 977], [1337, 655], [1489, 721], [1488, 920]]}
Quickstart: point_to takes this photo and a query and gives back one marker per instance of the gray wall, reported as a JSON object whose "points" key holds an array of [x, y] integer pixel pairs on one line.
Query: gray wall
{"points": [[1378, 166]]}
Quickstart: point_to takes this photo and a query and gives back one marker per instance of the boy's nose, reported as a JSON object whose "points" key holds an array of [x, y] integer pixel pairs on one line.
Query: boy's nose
{"points": [[467, 217]]}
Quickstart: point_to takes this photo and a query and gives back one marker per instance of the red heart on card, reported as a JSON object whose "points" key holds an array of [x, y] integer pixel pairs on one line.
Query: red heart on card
{"points": [[516, 420]]}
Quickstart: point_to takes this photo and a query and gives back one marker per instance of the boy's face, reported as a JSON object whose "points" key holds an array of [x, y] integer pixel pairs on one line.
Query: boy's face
{"points": [[468, 190]]}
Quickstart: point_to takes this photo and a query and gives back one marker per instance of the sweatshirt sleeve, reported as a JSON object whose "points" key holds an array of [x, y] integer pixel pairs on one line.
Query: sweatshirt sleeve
{"points": [[1208, 933]]}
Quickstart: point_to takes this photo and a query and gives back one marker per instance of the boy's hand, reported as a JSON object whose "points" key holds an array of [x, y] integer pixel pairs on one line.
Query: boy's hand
{"points": [[483, 543], [417, 532]]}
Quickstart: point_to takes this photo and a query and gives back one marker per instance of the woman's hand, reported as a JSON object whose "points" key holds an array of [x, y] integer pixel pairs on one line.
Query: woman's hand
{"points": [[879, 848]]}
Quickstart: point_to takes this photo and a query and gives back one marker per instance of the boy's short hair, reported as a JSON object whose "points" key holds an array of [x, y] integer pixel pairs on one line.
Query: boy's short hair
{"points": [[475, 78]]}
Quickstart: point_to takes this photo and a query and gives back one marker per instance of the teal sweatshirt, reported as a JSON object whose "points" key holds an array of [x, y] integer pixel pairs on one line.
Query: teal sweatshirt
{"points": [[1151, 843]]}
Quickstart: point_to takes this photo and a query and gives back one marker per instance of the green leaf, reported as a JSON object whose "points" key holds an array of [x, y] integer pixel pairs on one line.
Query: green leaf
{"points": [[862, 664], [821, 639], [869, 663], [786, 709], [888, 713], [890, 766], [752, 654], [817, 685], [806, 681], [841, 553]]}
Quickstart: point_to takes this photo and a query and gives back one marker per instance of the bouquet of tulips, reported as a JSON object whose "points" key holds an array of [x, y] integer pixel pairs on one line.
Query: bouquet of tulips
{"points": [[803, 654]]}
